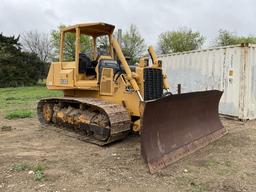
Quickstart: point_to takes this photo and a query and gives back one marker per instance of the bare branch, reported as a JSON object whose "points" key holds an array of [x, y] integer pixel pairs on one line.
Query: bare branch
{"points": [[38, 43]]}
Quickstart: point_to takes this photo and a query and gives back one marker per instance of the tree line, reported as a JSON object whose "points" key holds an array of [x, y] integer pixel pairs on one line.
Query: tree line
{"points": [[18, 68], [25, 59]]}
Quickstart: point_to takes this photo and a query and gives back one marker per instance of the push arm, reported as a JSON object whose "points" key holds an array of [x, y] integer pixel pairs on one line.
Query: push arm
{"points": [[127, 69], [155, 62]]}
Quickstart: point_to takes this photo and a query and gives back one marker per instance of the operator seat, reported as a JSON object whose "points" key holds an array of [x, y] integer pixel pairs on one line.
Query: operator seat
{"points": [[86, 65]]}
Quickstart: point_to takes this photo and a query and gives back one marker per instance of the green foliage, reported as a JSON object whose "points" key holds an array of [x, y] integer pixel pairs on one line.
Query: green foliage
{"points": [[226, 38], [39, 167], [17, 68], [181, 40], [69, 44], [19, 114], [133, 45], [39, 172], [19, 167]]}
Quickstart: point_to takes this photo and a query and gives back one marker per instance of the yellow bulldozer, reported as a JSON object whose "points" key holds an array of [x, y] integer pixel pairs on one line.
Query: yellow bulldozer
{"points": [[105, 99]]}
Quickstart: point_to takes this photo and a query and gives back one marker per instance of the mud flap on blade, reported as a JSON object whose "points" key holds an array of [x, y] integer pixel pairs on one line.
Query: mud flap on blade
{"points": [[177, 125]]}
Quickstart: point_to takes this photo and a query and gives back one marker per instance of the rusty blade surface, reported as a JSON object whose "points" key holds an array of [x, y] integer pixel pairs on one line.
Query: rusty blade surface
{"points": [[177, 125]]}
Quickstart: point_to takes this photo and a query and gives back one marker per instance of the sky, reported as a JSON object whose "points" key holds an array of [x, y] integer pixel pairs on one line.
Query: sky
{"points": [[152, 17]]}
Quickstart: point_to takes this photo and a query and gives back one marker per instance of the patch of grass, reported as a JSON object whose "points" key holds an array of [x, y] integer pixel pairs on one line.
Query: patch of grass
{"points": [[23, 98], [10, 98], [6, 128], [183, 180], [189, 183], [223, 172], [197, 187], [19, 167], [226, 168], [39, 172], [228, 163], [210, 163], [232, 140], [19, 114]]}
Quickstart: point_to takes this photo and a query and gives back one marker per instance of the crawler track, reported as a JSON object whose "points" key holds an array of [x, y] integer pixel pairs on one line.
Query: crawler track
{"points": [[95, 120]]}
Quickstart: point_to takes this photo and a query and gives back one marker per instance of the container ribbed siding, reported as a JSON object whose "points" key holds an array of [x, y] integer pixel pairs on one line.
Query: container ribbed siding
{"points": [[231, 69]]}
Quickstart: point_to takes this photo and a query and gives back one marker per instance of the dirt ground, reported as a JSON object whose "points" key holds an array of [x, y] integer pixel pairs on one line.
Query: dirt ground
{"points": [[228, 164]]}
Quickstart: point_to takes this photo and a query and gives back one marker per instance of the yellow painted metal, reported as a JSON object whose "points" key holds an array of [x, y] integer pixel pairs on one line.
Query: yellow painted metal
{"points": [[61, 46], [92, 29], [106, 85], [111, 47], [127, 69], [68, 65], [126, 90], [142, 62], [165, 82], [77, 52], [87, 84], [136, 126], [153, 56], [94, 48]]}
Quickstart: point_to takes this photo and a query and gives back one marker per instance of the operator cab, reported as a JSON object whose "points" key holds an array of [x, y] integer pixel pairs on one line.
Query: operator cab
{"points": [[90, 42]]}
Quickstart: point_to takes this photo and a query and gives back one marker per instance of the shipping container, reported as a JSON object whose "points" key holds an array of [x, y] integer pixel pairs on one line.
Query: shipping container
{"points": [[231, 69]]}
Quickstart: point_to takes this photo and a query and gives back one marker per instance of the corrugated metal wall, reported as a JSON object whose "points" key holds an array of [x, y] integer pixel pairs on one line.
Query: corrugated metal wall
{"points": [[231, 68], [250, 82]]}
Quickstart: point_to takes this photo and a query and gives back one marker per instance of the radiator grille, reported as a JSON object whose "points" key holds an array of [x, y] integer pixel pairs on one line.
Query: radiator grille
{"points": [[153, 83], [106, 85]]}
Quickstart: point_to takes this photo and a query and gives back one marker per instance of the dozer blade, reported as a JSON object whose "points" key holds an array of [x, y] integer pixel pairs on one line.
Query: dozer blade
{"points": [[177, 125]]}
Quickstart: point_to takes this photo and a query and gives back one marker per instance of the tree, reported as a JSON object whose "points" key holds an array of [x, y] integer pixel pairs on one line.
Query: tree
{"points": [[133, 45], [38, 43], [17, 68], [69, 44], [102, 44], [183, 39], [226, 38]]}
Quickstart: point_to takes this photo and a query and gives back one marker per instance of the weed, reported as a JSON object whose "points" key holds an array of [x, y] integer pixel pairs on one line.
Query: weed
{"points": [[210, 163], [19, 167], [39, 176], [39, 167], [19, 114], [223, 172], [226, 169], [228, 163], [6, 128], [39, 172], [11, 98], [197, 187], [190, 183]]}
